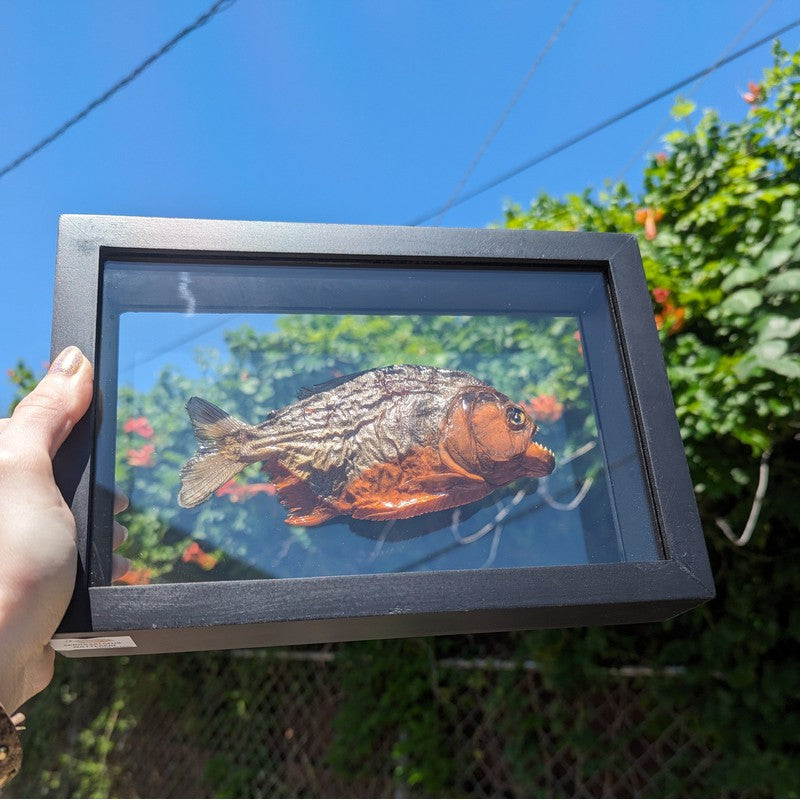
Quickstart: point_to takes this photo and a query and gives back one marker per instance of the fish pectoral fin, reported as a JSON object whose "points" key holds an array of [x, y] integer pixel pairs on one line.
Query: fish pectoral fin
{"points": [[442, 482], [306, 507], [399, 508], [306, 520], [404, 506]]}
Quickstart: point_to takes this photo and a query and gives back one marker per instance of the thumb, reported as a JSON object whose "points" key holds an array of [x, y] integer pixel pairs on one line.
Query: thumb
{"points": [[44, 418]]}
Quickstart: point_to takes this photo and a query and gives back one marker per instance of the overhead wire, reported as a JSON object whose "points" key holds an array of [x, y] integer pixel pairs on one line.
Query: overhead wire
{"points": [[606, 123], [219, 5], [562, 23], [695, 88]]}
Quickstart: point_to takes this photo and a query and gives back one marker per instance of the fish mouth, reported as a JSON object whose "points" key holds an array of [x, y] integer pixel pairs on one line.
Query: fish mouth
{"points": [[539, 460]]}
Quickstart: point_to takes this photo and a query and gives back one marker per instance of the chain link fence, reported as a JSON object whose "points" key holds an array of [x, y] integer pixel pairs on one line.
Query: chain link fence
{"points": [[264, 724]]}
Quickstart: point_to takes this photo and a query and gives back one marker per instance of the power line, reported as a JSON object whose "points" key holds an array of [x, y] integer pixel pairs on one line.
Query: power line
{"points": [[220, 5], [695, 88], [509, 106], [573, 140]]}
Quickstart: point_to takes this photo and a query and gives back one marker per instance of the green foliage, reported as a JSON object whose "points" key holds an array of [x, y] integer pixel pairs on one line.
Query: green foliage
{"points": [[71, 761], [722, 261], [683, 107], [24, 380], [398, 707], [726, 249]]}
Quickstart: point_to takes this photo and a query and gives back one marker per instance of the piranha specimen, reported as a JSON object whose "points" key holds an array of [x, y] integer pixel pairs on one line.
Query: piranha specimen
{"points": [[387, 443]]}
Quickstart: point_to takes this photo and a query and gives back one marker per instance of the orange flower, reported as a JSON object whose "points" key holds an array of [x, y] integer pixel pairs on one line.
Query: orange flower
{"points": [[754, 95], [661, 158], [138, 425], [661, 295], [671, 317], [143, 457], [266, 488], [678, 316], [226, 488], [136, 576], [577, 337], [237, 492], [194, 554], [545, 408], [649, 217]]}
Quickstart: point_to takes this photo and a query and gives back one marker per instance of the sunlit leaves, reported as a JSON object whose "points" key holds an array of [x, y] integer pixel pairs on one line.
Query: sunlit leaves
{"points": [[683, 107], [784, 283], [742, 301], [741, 276], [728, 250]]}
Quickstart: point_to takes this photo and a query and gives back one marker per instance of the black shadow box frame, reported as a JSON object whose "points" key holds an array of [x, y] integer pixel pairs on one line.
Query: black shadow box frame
{"points": [[214, 615]]}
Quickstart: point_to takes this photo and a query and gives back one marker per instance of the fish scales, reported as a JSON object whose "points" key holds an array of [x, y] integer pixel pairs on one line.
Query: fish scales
{"points": [[385, 416], [387, 443]]}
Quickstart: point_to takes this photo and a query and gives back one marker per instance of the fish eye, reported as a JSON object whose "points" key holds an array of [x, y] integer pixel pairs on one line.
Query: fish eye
{"points": [[515, 417]]}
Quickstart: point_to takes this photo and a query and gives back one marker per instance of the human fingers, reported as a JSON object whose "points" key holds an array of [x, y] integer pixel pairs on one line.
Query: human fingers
{"points": [[39, 671], [44, 418], [119, 535], [3, 423], [27, 671], [120, 501], [119, 566]]}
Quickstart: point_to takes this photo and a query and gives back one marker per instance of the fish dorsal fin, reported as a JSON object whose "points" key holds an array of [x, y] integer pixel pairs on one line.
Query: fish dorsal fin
{"points": [[326, 386]]}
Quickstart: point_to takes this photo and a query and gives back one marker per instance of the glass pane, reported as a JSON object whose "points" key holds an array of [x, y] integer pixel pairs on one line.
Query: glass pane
{"points": [[360, 420]]}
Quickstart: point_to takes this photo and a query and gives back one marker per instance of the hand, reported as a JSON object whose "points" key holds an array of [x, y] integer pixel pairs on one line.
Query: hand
{"points": [[37, 530]]}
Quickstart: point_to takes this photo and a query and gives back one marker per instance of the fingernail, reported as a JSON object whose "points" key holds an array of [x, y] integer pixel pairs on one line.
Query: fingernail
{"points": [[67, 362], [119, 566]]}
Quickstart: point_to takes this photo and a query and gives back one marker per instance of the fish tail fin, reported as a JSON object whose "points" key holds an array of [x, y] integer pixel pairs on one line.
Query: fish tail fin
{"points": [[215, 462]]}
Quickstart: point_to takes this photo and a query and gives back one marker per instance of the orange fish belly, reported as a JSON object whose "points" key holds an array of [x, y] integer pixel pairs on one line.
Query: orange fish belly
{"points": [[416, 484]]}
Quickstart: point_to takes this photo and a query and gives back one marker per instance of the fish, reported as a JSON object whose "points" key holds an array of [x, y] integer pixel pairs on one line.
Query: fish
{"points": [[387, 443]]}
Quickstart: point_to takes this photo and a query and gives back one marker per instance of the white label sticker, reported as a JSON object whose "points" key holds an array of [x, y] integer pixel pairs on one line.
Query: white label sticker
{"points": [[94, 643]]}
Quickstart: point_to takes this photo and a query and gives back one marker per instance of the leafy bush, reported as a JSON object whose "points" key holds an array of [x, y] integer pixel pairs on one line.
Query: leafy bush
{"points": [[720, 239]]}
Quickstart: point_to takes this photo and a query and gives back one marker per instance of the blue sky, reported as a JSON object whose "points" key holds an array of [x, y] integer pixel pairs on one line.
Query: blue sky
{"points": [[348, 112]]}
